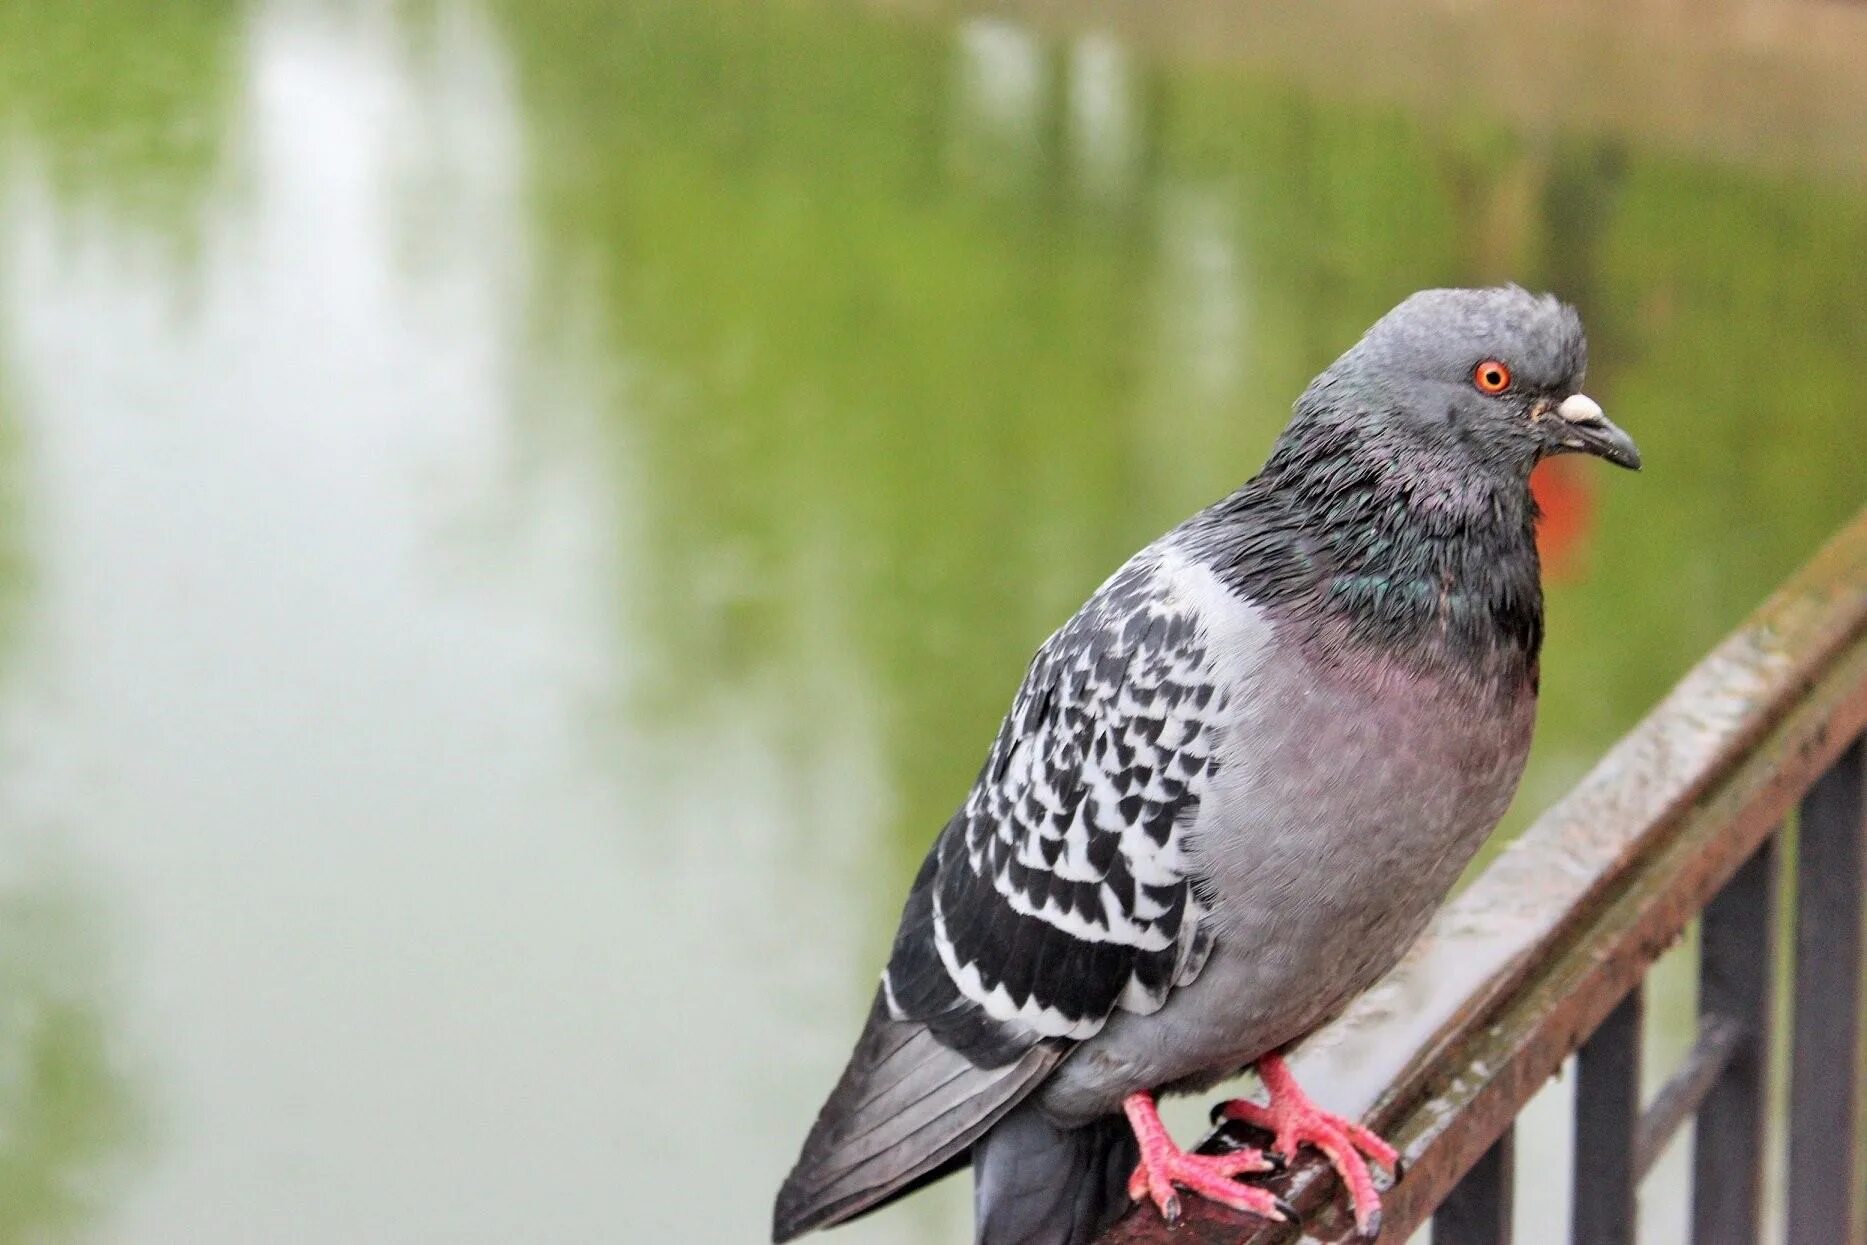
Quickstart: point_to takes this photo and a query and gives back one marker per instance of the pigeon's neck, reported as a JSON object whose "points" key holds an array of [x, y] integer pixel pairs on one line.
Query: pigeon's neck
{"points": [[1395, 549]]}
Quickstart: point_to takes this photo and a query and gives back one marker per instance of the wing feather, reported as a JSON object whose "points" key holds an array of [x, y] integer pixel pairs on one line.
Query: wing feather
{"points": [[1060, 889]]}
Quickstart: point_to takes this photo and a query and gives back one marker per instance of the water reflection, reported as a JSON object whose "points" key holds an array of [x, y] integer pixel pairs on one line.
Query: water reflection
{"points": [[1001, 98], [123, 105], [305, 654], [14, 571], [514, 594], [1105, 133], [67, 1096], [71, 1116]]}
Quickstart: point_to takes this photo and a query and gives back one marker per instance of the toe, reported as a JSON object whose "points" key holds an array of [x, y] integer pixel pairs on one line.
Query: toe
{"points": [[1244, 1111], [1156, 1183], [1353, 1170], [1237, 1163], [1215, 1188], [1263, 1208], [1365, 1140]]}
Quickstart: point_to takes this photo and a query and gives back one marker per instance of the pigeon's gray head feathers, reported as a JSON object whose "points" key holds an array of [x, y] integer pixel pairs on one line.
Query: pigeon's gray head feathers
{"points": [[1476, 378], [1439, 336]]}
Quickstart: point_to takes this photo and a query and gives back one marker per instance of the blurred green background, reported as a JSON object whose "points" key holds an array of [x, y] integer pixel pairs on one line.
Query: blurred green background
{"points": [[518, 520]]}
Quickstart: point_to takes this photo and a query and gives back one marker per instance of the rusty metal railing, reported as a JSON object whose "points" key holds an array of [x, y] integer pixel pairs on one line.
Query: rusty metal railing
{"points": [[1544, 955]]}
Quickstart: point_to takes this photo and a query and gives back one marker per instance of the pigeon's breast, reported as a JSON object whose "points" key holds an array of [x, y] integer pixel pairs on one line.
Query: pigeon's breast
{"points": [[1351, 792]]}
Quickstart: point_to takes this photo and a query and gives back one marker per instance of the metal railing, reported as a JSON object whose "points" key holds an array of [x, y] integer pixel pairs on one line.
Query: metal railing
{"points": [[1545, 954]]}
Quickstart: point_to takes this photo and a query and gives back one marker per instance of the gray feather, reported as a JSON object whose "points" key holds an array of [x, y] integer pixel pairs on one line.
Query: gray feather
{"points": [[905, 1107], [1037, 1184]]}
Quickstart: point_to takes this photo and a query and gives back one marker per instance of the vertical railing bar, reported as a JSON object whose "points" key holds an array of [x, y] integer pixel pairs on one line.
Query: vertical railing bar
{"points": [[1737, 962], [1824, 1077], [1478, 1210], [1607, 1120]]}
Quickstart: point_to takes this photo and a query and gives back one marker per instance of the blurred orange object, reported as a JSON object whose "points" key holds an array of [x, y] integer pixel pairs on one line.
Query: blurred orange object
{"points": [[1563, 495]]}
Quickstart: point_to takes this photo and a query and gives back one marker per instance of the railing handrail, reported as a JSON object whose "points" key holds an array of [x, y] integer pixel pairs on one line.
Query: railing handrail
{"points": [[1523, 965]]}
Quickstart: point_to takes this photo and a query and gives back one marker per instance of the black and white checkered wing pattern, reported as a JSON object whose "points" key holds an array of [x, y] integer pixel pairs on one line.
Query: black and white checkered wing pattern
{"points": [[1060, 892]]}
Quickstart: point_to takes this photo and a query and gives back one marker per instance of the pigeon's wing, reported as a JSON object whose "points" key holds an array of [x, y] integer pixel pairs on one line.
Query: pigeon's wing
{"points": [[1057, 894], [1060, 890]]}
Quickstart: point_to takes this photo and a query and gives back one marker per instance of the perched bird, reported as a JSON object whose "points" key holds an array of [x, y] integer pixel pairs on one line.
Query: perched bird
{"points": [[1230, 792]]}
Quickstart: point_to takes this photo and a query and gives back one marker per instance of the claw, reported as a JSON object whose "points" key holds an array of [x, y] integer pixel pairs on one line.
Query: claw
{"points": [[1293, 1120], [1164, 1165]]}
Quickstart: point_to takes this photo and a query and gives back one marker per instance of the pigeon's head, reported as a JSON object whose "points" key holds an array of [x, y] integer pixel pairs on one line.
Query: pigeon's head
{"points": [[1491, 376]]}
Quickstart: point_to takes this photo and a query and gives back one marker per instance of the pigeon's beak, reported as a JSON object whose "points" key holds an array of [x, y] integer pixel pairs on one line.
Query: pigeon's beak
{"points": [[1581, 428]]}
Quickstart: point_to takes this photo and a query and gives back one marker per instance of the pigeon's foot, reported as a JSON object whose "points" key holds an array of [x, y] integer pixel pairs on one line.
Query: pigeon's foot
{"points": [[1293, 1119], [1164, 1165]]}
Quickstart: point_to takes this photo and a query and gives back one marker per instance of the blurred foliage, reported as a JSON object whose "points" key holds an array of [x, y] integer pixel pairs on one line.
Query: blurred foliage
{"points": [[881, 340], [126, 103], [68, 1120], [121, 105], [67, 1116], [851, 372], [14, 567]]}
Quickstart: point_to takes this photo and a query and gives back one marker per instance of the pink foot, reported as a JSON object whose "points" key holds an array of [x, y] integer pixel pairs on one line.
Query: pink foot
{"points": [[1294, 1119], [1164, 1165]]}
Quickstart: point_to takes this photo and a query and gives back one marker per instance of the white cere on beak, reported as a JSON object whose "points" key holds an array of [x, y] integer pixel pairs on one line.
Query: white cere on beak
{"points": [[1579, 408]]}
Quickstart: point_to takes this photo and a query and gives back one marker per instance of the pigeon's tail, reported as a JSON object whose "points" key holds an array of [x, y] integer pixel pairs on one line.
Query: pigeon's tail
{"points": [[1037, 1184], [906, 1112]]}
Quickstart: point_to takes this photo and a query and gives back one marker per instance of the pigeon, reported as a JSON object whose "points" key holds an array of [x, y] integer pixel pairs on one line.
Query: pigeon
{"points": [[1230, 792]]}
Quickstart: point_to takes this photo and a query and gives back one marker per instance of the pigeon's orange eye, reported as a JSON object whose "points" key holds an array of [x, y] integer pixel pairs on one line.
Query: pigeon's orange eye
{"points": [[1491, 376]]}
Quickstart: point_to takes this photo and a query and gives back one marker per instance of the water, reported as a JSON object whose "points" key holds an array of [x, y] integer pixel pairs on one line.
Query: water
{"points": [[517, 521]]}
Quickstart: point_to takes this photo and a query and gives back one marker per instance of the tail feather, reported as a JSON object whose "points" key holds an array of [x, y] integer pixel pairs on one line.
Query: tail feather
{"points": [[906, 1107], [1037, 1184]]}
